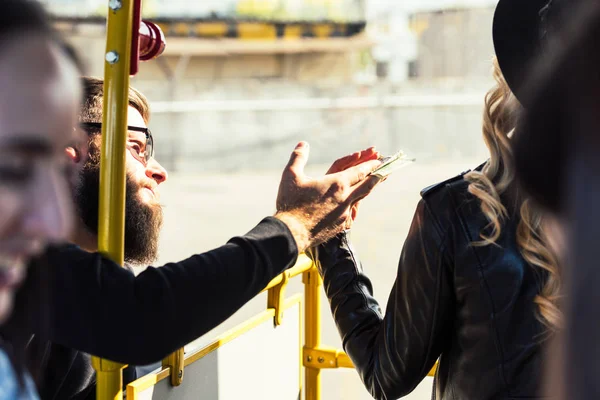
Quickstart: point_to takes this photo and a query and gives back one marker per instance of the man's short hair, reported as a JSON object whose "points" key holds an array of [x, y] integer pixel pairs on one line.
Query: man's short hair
{"points": [[91, 110]]}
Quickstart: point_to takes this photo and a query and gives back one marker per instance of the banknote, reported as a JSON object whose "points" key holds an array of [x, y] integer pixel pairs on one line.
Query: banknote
{"points": [[392, 163]]}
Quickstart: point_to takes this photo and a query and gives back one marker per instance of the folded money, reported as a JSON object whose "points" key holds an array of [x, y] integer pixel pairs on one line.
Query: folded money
{"points": [[391, 164]]}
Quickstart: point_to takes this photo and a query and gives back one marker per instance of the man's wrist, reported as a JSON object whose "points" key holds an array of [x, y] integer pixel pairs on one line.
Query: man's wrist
{"points": [[297, 227]]}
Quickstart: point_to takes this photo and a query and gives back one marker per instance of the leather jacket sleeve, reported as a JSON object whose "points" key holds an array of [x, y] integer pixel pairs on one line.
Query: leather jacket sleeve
{"points": [[393, 352]]}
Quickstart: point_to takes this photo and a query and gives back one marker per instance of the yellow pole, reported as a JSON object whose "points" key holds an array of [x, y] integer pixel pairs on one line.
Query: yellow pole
{"points": [[111, 218], [312, 292]]}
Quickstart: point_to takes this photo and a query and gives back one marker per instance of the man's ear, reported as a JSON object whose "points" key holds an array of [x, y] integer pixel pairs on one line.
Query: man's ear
{"points": [[74, 154]]}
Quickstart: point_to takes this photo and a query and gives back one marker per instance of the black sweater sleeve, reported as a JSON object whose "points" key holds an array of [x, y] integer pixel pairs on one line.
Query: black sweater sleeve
{"points": [[101, 308]]}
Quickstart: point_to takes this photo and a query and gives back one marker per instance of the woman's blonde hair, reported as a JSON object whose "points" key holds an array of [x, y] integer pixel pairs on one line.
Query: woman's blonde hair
{"points": [[499, 122]]}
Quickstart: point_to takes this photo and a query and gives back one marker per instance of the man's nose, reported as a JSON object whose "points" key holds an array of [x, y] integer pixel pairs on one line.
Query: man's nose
{"points": [[156, 171]]}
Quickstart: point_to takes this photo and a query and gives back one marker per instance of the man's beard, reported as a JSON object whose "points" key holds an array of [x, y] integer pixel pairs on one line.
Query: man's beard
{"points": [[142, 221]]}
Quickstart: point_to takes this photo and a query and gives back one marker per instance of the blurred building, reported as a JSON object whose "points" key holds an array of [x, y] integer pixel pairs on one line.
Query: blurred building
{"points": [[452, 43], [242, 80], [280, 10]]}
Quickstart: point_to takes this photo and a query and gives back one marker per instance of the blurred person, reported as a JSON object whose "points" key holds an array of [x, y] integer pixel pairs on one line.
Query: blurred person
{"points": [[229, 276], [478, 285], [39, 101], [557, 162]]}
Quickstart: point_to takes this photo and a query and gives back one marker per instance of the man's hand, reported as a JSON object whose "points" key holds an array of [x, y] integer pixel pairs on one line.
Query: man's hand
{"points": [[316, 209]]}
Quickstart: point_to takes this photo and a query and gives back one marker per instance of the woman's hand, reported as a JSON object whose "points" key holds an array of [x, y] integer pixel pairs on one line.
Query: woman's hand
{"points": [[350, 161]]}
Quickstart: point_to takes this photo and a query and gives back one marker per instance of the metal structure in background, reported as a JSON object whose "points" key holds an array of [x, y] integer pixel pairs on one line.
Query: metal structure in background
{"points": [[202, 28], [262, 10], [233, 19]]}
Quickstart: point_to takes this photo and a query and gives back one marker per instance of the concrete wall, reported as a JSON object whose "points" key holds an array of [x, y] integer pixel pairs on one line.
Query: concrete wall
{"points": [[227, 127], [453, 42], [254, 138]]}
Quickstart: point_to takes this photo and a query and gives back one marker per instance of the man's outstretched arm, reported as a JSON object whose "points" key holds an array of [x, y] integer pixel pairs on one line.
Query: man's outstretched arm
{"points": [[102, 309], [130, 319]]}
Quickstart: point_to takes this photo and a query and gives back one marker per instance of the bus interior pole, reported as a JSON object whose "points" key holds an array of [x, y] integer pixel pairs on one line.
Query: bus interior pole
{"points": [[111, 217]]}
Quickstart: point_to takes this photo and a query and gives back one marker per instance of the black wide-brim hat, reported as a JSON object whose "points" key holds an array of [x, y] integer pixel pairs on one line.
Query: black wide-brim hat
{"points": [[516, 34], [538, 146]]}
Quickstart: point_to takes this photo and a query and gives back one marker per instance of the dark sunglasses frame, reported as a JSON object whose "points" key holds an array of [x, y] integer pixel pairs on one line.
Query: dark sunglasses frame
{"points": [[146, 131]]}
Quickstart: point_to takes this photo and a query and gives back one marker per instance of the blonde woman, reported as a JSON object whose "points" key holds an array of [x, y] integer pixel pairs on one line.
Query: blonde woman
{"points": [[477, 286]]}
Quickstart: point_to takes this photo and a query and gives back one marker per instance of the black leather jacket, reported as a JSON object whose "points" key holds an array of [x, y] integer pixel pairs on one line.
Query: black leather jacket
{"points": [[472, 307]]}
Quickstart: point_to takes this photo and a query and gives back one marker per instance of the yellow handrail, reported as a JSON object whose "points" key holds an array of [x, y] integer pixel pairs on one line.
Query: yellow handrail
{"points": [[302, 265], [276, 288], [315, 356], [111, 217], [312, 337]]}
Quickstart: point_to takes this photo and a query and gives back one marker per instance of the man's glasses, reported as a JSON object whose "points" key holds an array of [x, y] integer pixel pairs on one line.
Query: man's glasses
{"points": [[144, 154]]}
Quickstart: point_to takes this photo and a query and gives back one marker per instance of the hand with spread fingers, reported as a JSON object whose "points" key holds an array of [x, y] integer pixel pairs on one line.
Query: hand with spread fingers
{"points": [[316, 209]]}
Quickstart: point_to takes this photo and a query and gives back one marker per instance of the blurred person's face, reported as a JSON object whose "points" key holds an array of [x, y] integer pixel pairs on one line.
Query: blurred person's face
{"points": [[143, 211], [39, 101]]}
